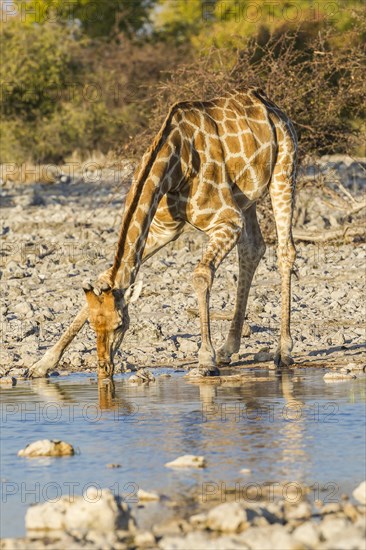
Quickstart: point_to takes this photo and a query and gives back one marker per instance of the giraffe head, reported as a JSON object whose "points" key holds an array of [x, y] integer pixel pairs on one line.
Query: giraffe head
{"points": [[108, 316]]}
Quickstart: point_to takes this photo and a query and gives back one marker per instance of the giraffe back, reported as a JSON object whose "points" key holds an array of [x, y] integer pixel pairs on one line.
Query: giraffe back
{"points": [[235, 140]]}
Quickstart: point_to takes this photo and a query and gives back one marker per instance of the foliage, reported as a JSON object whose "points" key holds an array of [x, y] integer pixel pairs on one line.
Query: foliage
{"points": [[67, 88], [98, 19], [34, 66], [229, 23], [320, 88], [62, 94]]}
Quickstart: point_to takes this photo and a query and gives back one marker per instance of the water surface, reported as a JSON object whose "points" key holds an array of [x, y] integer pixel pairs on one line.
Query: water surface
{"points": [[291, 429]]}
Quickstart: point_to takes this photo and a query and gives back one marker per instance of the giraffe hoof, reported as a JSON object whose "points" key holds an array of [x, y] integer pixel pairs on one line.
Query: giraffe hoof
{"points": [[283, 360], [223, 357], [199, 372]]}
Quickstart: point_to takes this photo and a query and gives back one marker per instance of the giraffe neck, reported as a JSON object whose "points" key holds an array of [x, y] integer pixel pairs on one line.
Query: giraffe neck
{"points": [[137, 218], [149, 185], [151, 182]]}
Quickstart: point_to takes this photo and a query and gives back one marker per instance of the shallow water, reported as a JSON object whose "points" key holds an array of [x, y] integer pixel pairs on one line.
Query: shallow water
{"points": [[291, 429]]}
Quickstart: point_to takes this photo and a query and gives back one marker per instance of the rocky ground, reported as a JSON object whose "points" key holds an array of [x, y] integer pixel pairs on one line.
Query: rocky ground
{"points": [[57, 234], [101, 520]]}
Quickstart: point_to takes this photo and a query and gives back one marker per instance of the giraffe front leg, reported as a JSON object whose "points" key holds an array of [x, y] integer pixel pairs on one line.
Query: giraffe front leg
{"points": [[202, 282], [51, 358], [222, 239]]}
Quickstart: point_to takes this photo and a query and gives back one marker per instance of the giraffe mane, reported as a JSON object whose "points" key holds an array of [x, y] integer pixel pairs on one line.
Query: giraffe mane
{"points": [[137, 185]]}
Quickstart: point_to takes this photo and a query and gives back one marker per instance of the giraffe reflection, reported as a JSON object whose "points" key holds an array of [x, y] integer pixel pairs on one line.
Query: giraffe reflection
{"points": [[281, 427], [54, 393]]}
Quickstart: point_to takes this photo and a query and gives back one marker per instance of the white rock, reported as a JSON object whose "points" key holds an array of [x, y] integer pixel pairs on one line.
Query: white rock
{"points": [[23, 308], [245, 471], [302, 510], [337, 376], [198, 540], [228, 517], [98, 510], [307, 533], [187, 461], [356, 366], [145, 538], [145, 375], [198, 520], [47, 447], [274, 537], [187, 346], [8, 381], [360, 493], [145, 495], [349, 539], [331, 526]]}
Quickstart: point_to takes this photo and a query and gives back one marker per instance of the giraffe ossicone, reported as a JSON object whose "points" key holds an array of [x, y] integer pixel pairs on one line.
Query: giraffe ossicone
{"points": [[207, 167]]}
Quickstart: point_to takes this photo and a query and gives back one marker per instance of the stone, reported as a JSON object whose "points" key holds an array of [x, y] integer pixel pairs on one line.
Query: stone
{"points": [[20, 373], [145, 539], [23, 308], [187, 346], [245, 471], [201, 541], [307, 533], [198, 521], [274, 537], [228, 517], [360, 493], [302, 510], [113, 465], [142, 375], [47, 447], [350, 538], [8, 381], [147, 496], [145, 375], [344, 370], [97, 510], [337, 376], [356, 366], [331, 526], [338, 339], [330, 508], [171, 527], [350, 511], [187, 461], [263, 356]]}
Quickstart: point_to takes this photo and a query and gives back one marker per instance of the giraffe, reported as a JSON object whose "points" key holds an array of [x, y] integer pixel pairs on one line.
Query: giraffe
{"points": [[207, 168]]}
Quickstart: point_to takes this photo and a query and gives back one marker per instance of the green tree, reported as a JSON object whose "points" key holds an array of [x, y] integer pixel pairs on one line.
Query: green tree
{"points": [[98, 18], [181, 19], [35, 67]]}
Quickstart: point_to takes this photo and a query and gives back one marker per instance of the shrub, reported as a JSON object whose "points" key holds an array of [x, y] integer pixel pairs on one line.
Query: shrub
{"points": [[321, 88]]}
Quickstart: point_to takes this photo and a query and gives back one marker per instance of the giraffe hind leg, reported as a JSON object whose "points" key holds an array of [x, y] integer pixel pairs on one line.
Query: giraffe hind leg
{"points": [[281, 191]]}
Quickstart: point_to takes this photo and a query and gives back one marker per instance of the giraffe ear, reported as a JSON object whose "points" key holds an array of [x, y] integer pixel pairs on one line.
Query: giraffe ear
{"points": [[133, 292]]}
